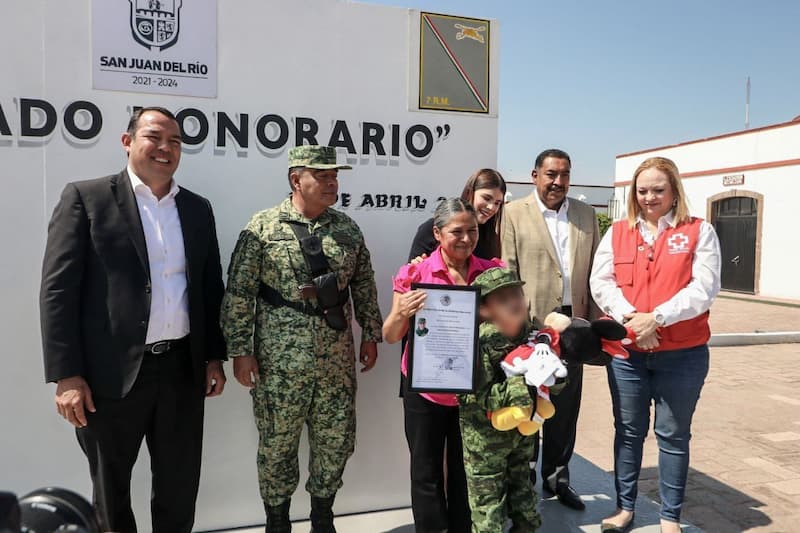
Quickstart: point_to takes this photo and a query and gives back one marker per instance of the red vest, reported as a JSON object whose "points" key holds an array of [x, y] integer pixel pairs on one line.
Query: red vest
{"points": [[649, 276]]}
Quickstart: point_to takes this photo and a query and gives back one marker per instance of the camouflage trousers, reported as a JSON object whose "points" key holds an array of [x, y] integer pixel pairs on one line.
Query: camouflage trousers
{"points": [[282, 405], [498, 477]]}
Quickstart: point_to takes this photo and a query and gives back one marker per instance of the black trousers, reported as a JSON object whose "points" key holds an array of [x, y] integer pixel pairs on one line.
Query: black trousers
{"points": [[558, 432], [438, 500], [164, 408]]}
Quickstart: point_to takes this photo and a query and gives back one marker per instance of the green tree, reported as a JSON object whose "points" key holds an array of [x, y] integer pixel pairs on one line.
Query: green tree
{"points": [[604, 223]]}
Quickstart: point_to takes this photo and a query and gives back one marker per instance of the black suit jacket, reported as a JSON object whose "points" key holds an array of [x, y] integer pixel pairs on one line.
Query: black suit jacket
{"points": [[95, 292]]}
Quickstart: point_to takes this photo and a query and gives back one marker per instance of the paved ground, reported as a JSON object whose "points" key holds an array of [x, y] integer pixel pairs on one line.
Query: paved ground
{"points": [[745, 469], [734, 313], [595, 485]]}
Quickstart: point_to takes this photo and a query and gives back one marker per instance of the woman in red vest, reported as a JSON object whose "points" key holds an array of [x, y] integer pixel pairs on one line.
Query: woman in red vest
{"points": [[658, 273]]}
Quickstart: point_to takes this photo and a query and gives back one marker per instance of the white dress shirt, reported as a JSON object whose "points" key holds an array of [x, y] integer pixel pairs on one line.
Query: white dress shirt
{"points": [[558, 227], [169, 302], [691, 301]]}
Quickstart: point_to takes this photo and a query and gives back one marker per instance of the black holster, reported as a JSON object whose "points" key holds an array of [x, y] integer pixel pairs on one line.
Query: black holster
{"points": [[331, 300]]}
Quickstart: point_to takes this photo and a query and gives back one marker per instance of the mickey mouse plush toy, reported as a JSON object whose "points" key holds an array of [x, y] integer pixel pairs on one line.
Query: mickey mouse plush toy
{"points": [[541, 360]]}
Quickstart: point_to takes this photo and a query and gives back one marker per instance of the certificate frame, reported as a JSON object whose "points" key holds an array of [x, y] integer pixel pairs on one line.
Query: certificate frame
{"points": [[430, 368]]}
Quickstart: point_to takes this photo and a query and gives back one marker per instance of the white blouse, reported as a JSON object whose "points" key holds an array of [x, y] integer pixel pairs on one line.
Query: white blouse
{"points": [[691, 301]]}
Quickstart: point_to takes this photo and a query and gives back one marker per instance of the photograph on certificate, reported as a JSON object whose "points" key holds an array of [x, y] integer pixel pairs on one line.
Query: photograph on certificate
{"points": [[443, 340]]}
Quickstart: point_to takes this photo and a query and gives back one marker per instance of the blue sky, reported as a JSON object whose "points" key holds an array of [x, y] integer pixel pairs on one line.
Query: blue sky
{"points": [[600, 78]]}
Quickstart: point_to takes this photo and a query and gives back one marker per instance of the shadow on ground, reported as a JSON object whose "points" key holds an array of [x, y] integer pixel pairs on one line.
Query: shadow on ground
{"points": [[596, 487], [711, 504]]}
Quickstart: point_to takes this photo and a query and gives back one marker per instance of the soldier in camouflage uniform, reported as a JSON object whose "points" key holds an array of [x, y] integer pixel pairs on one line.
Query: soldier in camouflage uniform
{"points": [[496, 462], [300, 370]]}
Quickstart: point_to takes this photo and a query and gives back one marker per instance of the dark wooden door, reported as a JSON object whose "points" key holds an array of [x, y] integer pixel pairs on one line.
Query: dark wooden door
{"points": [[735, 220]]}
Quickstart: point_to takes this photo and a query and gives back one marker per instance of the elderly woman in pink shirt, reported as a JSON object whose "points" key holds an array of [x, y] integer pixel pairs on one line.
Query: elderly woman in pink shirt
{"points": [[439, 502]]}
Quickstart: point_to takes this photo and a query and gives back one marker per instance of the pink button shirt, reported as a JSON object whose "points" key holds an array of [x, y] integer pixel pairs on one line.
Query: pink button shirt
{"points": [[434, 270]]}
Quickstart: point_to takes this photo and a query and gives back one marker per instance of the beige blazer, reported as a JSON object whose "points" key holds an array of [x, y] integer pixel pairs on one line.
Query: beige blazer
{"points": [[528, 249]]}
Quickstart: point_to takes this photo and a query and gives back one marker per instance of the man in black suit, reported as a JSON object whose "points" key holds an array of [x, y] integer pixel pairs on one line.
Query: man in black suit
{"points": [[130, 300]]}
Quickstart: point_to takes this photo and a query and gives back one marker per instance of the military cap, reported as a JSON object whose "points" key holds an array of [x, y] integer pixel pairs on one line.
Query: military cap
{"points": [[316, 157], [496, 278]]}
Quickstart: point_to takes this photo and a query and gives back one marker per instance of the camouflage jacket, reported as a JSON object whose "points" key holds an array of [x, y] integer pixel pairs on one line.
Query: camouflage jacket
{"points": [[493, 390], [268, 252]]}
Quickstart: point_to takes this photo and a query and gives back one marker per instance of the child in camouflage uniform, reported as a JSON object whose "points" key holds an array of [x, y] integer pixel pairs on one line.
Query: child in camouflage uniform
{"points": [[496, 462]]}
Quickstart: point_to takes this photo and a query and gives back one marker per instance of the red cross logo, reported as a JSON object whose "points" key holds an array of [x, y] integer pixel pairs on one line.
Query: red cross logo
{"points": [[678, 244]]}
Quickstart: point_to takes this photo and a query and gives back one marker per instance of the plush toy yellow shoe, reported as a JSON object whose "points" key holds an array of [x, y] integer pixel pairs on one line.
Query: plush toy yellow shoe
{"points": [[530, 427], [544, 410], [509, 418]]}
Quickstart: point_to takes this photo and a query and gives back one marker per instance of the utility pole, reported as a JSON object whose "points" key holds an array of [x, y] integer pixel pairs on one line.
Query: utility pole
{"points": [[747, 105]]}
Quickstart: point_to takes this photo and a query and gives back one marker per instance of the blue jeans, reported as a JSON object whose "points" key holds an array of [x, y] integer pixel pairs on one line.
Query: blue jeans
{"points": [[671, 381]]}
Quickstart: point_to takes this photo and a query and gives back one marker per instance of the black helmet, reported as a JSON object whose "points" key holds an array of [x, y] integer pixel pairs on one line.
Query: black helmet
{"points": [[55, 510]]}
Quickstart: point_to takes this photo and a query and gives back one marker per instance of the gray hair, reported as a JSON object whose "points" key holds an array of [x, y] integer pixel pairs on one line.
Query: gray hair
{"points": [[450, 207]]}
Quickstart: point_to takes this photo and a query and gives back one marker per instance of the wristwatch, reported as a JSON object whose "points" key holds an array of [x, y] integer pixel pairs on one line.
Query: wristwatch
{"points": [[659, 318]]}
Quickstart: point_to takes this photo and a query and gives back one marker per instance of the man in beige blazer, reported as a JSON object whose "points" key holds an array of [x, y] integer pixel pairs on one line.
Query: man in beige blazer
{"points": [[550, 240]]}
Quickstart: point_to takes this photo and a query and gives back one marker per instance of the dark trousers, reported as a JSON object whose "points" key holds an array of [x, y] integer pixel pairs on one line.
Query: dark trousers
{"points": [[558, 432], [438, 500], [165, 408]]}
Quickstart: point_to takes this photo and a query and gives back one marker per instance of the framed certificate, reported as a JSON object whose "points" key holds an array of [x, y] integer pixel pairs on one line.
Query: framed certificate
{"points": [[443, 340]]}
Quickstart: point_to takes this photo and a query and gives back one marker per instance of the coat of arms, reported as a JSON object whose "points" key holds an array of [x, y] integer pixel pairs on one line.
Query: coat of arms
{"points": [[155, 23]]}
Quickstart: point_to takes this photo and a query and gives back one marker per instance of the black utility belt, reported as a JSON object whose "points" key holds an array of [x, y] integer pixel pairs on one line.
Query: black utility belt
{"points": [[333, 313]]}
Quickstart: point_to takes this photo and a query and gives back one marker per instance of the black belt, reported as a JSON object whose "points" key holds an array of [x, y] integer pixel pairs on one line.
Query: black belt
{"points": [[164, 347], [273, 297]]}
